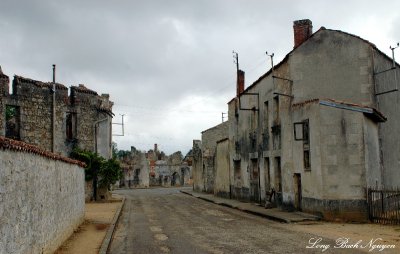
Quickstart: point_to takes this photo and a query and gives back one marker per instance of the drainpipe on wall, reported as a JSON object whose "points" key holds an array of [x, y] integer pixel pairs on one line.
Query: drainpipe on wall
{"points": [[54, 110], [260, 152]]}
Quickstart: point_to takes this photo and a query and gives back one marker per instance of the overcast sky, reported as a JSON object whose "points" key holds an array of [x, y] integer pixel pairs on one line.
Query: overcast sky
{"points": [[168, 64]]}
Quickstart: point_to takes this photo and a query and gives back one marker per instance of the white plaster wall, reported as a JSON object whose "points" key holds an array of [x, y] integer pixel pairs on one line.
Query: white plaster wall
{"points": [[104, 138], [388, 104], [342, 153], [312, 180], [222, 180], [42, 201], [334, 65], [372, 159]]}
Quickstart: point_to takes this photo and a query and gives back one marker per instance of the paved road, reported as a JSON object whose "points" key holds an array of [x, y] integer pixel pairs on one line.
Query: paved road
{"points": [[166, 221]]}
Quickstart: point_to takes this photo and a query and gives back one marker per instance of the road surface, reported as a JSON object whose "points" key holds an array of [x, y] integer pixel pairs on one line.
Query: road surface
{"points": [[166, 221]]}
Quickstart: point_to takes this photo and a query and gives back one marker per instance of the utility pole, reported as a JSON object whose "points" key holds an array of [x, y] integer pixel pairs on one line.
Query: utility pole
{"points": [[394, 63], [236, 61], [223, 116], [272, 60], [122, 124], [53, 149]]}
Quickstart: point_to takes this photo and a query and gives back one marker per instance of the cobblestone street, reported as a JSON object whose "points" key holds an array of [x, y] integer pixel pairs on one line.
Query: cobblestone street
{"points": [[166, 221]]}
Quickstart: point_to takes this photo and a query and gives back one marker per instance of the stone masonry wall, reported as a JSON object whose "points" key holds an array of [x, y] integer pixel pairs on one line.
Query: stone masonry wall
{"points": [[209, 140], [4, 81], [34, 99], [42, 198]]}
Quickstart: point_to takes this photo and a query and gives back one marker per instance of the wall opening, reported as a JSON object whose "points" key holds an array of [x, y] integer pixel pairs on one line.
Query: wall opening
{"points": [[267, 174], [278, 180], [13, 124], [297, 191], [265, 134], [253, 141], [71, 126], [136, 179], [237, 179], [254, 181], [306, 145], [276, 137], [266, 114], [278, 174], [276, 109]]}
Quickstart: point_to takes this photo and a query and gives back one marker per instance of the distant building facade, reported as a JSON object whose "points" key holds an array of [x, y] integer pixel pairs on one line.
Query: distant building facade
{"points": [[154, 168], [313, 132]]}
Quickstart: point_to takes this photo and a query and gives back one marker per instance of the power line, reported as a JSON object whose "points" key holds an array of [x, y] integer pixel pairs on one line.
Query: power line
{"points": [[163, 109]]}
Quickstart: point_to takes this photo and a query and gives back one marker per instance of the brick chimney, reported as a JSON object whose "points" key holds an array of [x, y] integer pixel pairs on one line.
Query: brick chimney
{"points": [[155, 147], [302, 31], [239, 82]]}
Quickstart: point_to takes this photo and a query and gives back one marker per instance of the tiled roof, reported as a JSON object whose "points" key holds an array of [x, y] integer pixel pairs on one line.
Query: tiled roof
{"points": [[216, 126], [371, 112], [106, 110], [39, 84], [303, 103], [14, 145], [83, 89]]}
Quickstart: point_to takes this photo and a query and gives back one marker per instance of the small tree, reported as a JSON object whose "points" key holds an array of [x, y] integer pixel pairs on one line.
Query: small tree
{"points": [[114, 148], [107, 171], [93, 162], [110, 172]]}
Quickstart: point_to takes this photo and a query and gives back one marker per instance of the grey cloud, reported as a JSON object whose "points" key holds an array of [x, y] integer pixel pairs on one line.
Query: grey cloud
{"points": [[158, 56]]}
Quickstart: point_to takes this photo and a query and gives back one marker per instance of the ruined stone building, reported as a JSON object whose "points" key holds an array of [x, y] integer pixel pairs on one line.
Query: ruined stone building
{"points": [[204, 179], [135, 168], [312, 133], [80, 119], [174, 170], [154, 168]]}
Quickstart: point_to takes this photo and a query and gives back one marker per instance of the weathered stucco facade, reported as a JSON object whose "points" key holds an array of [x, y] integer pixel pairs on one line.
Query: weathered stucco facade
{"points": [[42, 198], [82, 119], [204, 169], [316, 130]]}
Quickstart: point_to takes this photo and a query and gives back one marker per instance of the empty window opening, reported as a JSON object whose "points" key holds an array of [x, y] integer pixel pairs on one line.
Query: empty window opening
{"points": [[254, 169], [254, 119], [276, 109], [71, 126], [307, 163], [276, 137], [266, 115], [306, 145], [267, 174], [253, 141], [278, 174], [13, 124], [236, 169]]}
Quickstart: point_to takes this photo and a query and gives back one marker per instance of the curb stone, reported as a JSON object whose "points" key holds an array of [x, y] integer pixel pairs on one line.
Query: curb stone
{"points": [[243, 208], [110, 232]]}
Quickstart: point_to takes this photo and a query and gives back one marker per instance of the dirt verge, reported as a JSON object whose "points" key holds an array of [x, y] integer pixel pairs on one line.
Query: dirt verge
{"points": [[88, 237]]}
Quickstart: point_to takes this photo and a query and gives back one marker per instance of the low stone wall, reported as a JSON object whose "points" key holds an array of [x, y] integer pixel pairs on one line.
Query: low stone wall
{"points": [[42, 198]]}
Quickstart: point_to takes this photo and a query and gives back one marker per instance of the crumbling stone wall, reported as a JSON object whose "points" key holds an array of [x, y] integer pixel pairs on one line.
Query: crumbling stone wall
{"points": [[42, 198], [204, 167], [197, 170], [34, 100], [4, 81]]}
